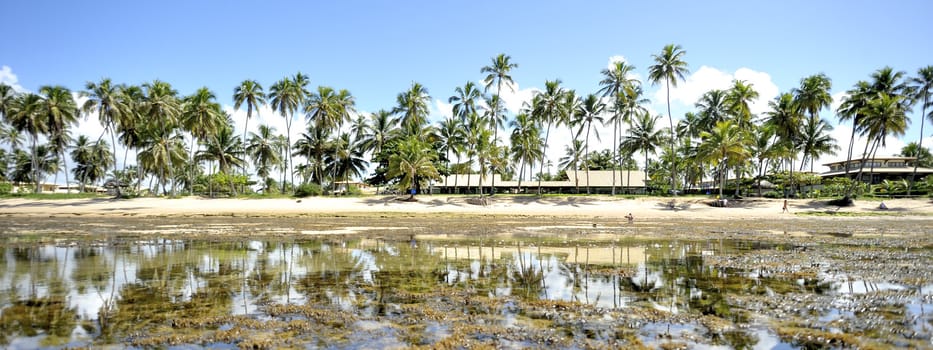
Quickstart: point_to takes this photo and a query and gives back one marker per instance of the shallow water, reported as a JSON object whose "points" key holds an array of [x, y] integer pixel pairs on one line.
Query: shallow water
{"points": [[142, 283]]}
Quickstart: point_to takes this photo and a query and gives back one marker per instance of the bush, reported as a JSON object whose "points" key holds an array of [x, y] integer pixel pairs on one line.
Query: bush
{"points": [[6, 188], [772, 194], [353, 191], [306, 190]]}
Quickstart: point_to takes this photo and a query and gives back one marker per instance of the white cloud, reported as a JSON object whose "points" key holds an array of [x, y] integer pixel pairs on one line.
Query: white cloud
{"points": [[8, 77], [515, 97], [837, 100], [687, 92], [443, 109]]}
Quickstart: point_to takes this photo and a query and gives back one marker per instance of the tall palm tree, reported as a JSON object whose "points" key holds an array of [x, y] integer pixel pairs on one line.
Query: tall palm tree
{"points": [[589, 111], [498, 73], [452, 135], [786, 119], [853, 107], [202, 117], [286, 96], [412, 108], [474, 130], [264, 149], [105, 98], [249, 92], [670, 67], [329, 109], [712, 107], [725, 144], [347, 158], [465, 100], [526, 143], [615, 80], [923, 87], [225, 149], [25, 115], [571, 159], [739, 99], [813, 94], [887, 116], [7, 95], [59, 108], [816, 141], [412, 164], [569, 105], [632, 104], [643, 137], [160, 141], [548, 109]]}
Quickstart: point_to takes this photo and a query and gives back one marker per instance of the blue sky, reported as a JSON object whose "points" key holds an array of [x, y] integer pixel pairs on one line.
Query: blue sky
{"points": [[376, 49]]}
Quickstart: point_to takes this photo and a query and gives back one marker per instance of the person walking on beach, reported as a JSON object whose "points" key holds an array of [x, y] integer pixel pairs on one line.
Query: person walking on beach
{"points": [[784, 210], [630, 218]]}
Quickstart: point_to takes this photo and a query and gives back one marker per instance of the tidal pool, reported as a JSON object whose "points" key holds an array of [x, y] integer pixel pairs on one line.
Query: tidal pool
{"points": [[500, 283]]}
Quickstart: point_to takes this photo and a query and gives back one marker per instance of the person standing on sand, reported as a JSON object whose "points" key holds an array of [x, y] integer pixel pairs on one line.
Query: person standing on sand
{"points": [[630, 218], [784, 210]]}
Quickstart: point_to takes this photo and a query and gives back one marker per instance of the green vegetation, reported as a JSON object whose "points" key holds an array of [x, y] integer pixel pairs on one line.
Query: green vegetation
{"points": [[186, 144]]}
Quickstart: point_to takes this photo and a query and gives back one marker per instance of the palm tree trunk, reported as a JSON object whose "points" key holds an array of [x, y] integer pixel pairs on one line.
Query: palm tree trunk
{"points": [[447, 156], [547, 133], [495, 133], [288, 153], [65, 164], [113, 141], [586, 158], [35, 161], [670, 119], [456, 176], [646, 172], [520, 174], [615, 149], [861, 167], [923, 113]]}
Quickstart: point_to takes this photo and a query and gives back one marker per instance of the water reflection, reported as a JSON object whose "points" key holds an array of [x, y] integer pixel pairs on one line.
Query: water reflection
{"points": [[424, 290]]}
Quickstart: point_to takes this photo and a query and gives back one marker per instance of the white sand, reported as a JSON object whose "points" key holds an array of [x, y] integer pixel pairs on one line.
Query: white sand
{"points": [[574, 206]]}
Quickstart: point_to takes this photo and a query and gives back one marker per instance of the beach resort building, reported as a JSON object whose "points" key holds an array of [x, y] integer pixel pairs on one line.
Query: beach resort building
{"points": [[878, 169]]}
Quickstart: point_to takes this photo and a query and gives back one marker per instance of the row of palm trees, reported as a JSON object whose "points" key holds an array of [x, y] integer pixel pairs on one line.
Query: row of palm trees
{"points": [[174, 137]]}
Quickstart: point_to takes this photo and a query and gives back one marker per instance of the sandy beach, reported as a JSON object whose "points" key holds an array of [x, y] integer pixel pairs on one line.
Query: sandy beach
{"points": [[650, 209]]}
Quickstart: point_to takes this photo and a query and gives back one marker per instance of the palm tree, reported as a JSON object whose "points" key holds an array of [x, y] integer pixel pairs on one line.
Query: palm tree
{"points": [[91, 160], [464, 102], [670, 67], [329, 109], [497, 73], [7, 95], [643, 137], [60, 110], [632, 104], [591, 110], [712, 107], [526, 143], [887, 115], [160, 141], [739, 100], [548, 109], [725, 144], [615, 81], [106, 99], [315, 145], [452, 135], [412, 164], [286, 96], [853, 107], [412, 108], [225, 149], [816, 141], [923, 87], [474, 128], [813, 94], [569, 105], [249, 92], [264, 149], [571, 159], [26, 116], [786, 119], [348, 159], [203, 118]]}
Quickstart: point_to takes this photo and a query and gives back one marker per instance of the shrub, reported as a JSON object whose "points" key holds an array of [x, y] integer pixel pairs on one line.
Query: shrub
{"points": [[306, 190], [6, 188], [772, 194]]}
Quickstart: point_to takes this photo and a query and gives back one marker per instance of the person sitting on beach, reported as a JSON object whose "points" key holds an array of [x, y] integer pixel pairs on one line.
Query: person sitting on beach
{"points": [[883, 206], [630, 218]]}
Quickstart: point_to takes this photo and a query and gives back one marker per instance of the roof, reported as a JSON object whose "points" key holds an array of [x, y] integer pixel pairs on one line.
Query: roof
{"points": [[598, 178], [876, 159], [881, 170]]}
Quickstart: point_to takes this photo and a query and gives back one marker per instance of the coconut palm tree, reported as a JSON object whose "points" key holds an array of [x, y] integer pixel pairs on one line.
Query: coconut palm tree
{"points": [[25, 114], [570, 103], [498, 73], [643, 137], [615, 80], [786, 119], [57, 105], [713, 107], [7, 95], [724, 145], [286, 96], [816, 141], [632, 103], [853, 107], [548, 109], [105, 98], [813, 94], [160, 143], [571, 159], [412, 164], [347, 158], [412, 108], [465, 100], [91, 160], [203, 118], [887, 116], [249, 92], [922, 86], [225, 149], [526, 143], [264, 149], [589, 111], [452, 135], [739, 98], [315, 145], [161, 151], [669, 67]]}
